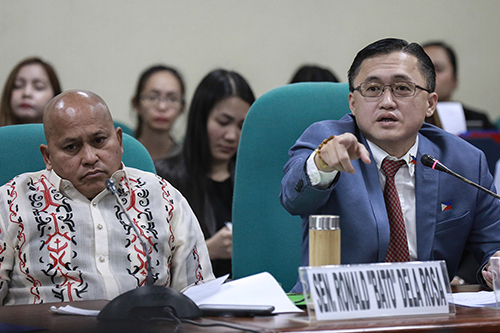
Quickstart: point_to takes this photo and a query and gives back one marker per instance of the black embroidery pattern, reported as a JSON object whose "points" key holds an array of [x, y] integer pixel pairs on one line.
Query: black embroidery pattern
{"points": [[54, 217], [136, 201]]}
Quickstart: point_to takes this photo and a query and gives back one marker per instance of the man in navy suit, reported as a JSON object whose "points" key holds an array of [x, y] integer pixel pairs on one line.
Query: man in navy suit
{"points": [[391, 93]]}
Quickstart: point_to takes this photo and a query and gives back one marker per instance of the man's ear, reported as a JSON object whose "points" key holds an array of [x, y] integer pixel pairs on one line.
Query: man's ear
{"points": [[119, 136], [46, 156], [352, 105], [431, 104]]}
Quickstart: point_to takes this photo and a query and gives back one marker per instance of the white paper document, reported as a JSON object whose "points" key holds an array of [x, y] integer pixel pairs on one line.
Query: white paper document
{"points": [[452, 117], [475, 299], [71, 310], [258, 289], [199, 292]]}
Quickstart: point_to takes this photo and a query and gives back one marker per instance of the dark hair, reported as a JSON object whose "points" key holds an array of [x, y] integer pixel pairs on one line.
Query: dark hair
{"points": [[449, 51], [216, 86], [142, 82], [390, 45], [5, 109], [313, 73]]}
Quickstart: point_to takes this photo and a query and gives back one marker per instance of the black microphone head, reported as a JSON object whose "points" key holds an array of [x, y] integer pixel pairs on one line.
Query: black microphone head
{"points": [[427, 160], [431, 162]]}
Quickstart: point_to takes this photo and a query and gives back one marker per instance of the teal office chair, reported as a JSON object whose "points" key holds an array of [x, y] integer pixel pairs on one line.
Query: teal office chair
{"points": [[20, 151], [125, 128], [265, 236]]}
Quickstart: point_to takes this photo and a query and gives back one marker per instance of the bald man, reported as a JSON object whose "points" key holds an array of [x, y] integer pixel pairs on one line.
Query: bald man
{"points": [[63, 237]]}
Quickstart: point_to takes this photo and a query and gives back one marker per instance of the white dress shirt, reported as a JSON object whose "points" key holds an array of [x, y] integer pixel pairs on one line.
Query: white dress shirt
{"points": [[57, 245], [405, 184]]}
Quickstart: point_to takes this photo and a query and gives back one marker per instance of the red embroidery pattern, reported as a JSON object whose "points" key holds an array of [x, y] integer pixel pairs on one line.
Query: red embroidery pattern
{"points": [[57, 243], [138, 209], [54, 217], [170, 209], [53, 232], [197, 273], [14, 218], [2, 249]]}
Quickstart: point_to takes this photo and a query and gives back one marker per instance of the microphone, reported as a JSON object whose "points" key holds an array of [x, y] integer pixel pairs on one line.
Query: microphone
{"points": [[111, 186], [431, 162], [151, 301]]}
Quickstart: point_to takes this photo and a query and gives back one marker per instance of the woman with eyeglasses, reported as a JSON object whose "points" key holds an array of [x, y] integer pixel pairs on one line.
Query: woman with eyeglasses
{"points": [[158, 101], [204, 170], [29, 87]]}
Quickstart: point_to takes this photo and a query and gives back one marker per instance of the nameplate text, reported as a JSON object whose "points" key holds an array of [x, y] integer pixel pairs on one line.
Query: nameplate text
{"points": [[388, 289]]}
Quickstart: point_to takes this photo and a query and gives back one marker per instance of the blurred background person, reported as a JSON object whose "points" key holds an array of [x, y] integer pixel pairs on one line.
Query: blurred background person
{"points": [[204, 170], [158, 101], [445, 61], [446, 65], [313, 73], [29, 87]]}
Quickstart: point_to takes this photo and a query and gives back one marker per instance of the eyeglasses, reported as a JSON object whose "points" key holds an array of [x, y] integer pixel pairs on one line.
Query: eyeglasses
{"points": [[170, 100], [398, 89]]}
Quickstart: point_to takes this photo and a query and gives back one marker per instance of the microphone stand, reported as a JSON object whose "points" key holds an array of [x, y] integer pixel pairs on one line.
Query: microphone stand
{"points": [[110, 185], [431, 162], [150, 301]]}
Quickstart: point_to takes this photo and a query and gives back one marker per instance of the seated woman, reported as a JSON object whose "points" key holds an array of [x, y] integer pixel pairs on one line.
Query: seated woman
{"points": [[204, 170], [29, 87], [158, 101]]}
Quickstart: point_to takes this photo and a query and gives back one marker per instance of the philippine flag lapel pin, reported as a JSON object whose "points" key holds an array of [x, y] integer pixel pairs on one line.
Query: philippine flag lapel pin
{"points": [[446, 206], [412, 160]]}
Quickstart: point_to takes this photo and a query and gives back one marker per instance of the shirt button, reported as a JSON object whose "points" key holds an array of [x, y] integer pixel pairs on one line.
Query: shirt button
{"points": [[101, 259], [99, 226], [94, 204]]}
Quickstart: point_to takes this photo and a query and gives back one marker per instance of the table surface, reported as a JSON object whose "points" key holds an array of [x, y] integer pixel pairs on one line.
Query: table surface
{"points": [[465, 320]]}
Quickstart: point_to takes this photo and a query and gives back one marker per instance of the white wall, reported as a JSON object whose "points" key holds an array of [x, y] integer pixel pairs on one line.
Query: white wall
{"points": [[103, 45]]}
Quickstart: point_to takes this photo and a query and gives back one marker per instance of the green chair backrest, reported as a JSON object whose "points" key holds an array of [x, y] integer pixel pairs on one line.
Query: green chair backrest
{"points": [[265, 236], [20, 151], [125, 128]]}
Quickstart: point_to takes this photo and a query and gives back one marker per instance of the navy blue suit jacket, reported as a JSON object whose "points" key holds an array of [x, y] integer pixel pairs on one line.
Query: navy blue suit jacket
{"points": [[472, 222]]}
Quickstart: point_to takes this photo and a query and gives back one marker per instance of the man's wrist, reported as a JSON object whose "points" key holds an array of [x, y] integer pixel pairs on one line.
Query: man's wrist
{"points": [[320, 163], [318, 178]]}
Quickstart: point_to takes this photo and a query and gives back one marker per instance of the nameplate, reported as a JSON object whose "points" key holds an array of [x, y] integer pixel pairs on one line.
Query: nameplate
{"points": [[373, 290]]}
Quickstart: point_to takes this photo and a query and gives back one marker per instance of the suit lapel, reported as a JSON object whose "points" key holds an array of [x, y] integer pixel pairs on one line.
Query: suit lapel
{"points": [[426, 197]]}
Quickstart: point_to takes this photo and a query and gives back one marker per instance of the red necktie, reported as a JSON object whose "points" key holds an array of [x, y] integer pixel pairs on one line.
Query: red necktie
{"points": [[398, 245]]}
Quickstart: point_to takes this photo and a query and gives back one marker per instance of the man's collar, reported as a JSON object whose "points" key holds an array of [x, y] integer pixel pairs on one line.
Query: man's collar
{"points": [[410, 157]]}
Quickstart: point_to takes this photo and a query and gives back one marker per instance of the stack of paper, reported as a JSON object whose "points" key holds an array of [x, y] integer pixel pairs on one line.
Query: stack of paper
{"points": [[258, 289], [475, 299]]}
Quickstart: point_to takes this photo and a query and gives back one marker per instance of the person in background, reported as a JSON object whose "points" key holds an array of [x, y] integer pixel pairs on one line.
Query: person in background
{"points": [[204, 170], [63, 236], [446, 64], [366, 168], [313, 73], [29, 87], [158, 101]]}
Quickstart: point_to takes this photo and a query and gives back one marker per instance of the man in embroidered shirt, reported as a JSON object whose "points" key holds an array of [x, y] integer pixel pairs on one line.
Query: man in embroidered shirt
{"points": [[391, 92], [63, 237]]}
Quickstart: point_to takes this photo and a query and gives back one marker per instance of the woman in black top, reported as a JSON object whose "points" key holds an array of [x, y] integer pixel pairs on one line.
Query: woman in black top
{"points": [[158, 102], [204, 169]]}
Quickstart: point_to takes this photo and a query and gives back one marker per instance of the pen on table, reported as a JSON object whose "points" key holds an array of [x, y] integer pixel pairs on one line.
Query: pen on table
{"points": [[229, 225]]}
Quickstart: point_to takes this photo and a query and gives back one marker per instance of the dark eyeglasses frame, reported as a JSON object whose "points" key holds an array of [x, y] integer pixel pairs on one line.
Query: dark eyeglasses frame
{"points": [[391, 86]]}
